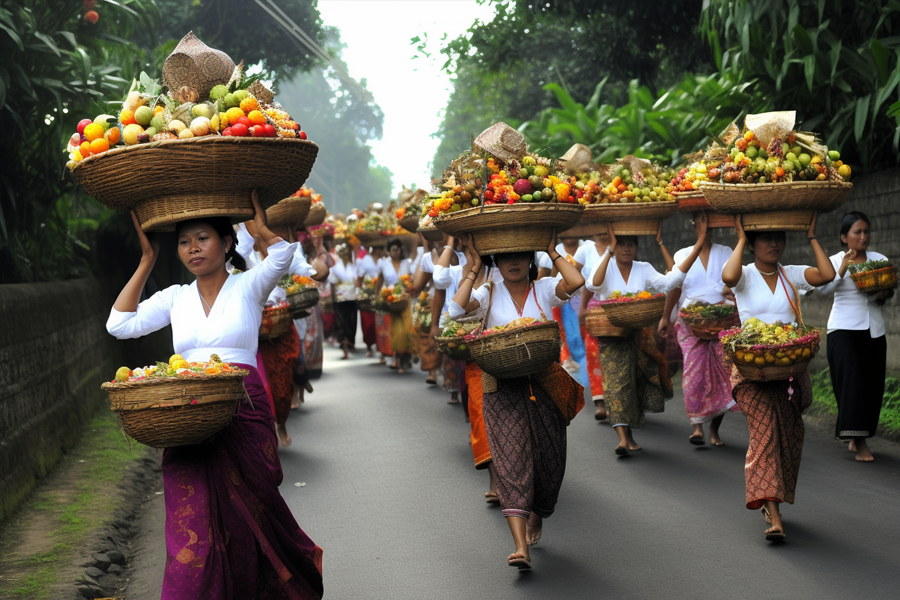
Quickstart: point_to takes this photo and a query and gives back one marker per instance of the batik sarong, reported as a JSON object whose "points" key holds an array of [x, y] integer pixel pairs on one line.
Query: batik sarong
{"points": [[706, 380]]}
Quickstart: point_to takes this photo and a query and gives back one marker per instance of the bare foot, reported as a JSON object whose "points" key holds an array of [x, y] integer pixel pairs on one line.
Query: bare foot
{"points": [[283, 435], [454, 399], [715, 440], [297, 398], [863, 454], [534, 529], [852, 446], [400, 370], [775, 533], [633, 445], [600, 413]]}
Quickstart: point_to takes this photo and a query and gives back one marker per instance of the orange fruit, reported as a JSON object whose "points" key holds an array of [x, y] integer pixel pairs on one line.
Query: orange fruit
{"points": [[99, 145], [256, 117], [126, 117], [113, 135], [85, 149], [249, 104]]}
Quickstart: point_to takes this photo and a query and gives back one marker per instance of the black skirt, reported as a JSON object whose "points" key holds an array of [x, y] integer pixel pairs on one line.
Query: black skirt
{"points": [[345, 321], [858, 364]]}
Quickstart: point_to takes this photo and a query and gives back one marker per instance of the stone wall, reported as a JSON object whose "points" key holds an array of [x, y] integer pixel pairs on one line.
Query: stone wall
{"points": [[54, 354], [873, 195]]}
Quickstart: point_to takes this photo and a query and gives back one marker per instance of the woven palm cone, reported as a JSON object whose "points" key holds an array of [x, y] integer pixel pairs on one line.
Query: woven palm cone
{"points": [[521, 227], [455, 348], [371, 238], [769, 371], [289, 212], [316, 216], [636, 314], [211, 176], [518, 352], [165, 413]]}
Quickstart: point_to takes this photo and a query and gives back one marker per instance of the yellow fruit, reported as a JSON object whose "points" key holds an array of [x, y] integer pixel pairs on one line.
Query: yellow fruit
{"points": [[123, 374], [185, 134], [175, 358], [131, 132], [249, 104], [93, 132], [844, 172], [760, 361], [234, 113], [257, 117], [783, 362], [806, 352], [180, 364], [748, 358]]}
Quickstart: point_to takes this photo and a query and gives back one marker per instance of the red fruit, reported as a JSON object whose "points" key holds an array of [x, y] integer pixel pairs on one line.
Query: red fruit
{"points": [[270, 130], [302, 135], [91, 16], [82, 124], [522, 187], [258, 131], [239, 129], [227, 131], [244, 121], [488, 196]]}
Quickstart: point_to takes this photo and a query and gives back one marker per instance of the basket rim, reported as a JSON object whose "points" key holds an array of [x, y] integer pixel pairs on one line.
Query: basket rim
{"points": [[498, 208], [755, 187], [158, 381], [607, 303], [872, 271], [531, 327]]}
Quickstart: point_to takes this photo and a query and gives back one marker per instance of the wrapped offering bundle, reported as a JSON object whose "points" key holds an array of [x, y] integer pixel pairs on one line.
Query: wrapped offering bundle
{"points": [[874, 276], [770, 352], [523, 347], [633, 310], [176, 403], [707, 320]]}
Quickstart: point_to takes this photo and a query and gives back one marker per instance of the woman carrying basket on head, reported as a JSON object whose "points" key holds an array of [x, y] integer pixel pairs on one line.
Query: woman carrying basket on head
{"points": [[526, 430], [768, 291], [391, 268], [229, 533], [636, 374]]}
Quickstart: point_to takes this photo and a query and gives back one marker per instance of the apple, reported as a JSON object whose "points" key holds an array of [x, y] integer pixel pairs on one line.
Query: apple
{"points": [[82, 124], [239, 129]]}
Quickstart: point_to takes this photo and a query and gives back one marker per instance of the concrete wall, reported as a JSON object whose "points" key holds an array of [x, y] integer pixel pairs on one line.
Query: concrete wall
{"points": [[876, 195], [54, 354]]}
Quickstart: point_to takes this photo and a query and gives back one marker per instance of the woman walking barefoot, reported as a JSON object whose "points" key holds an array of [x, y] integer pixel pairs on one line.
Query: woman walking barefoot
{"points": [[527, 437], [636, 373], [706, 382], [344, 280], [229, 533], [857, 350], [767, 290]]}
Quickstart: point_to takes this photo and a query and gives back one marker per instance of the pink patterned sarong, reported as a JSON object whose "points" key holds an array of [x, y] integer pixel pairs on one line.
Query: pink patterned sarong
{"points": [[706, 381]]}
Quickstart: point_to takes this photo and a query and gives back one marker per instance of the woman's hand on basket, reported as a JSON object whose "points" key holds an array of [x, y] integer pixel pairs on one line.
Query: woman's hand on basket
{"points": [[701, 227], [612, 238], [739, 229], [472, 255], [264, 235], [149, 242], [551, 249], [811, 234], [663, 328]]}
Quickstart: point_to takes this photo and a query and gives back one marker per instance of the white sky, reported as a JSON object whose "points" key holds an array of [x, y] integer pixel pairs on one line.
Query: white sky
{"points": [[412, 93]]}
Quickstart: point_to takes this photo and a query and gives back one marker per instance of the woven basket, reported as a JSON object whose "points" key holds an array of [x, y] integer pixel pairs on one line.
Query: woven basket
{"points": [[709, 330], [302, 301], [162, 413], [692, 202], [875, 281], [212, 176], [455, 348], [289, 212], [372, 238], [778, 220], [630, 218], [398, 307], [771, 371], [739, 198], [432, 234], [636, 314], [597, 324], [276, 321], [583, 229], [411, 224], [316, 216], [522, 227], [519, 352]]}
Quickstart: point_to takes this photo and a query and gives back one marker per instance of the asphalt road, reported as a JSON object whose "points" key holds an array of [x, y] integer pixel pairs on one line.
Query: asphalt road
{"points": [[391, 494]]}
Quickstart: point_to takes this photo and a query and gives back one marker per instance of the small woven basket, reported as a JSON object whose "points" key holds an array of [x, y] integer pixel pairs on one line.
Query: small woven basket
{"points": [[166, 413], [411, 224], [875, 281], [706, 329], [291, 211], [316, 216], [636, 314], [211, 176], [521, 227], [455, 348], [630, 218], [763, 361], [432, 234], [519, 352], [397, 307], [275, 322], [302, 301], [740, 198], [597, 324]]}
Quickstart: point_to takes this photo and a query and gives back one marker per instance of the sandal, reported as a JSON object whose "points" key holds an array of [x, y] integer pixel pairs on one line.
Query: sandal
{"points": [[621, 451], [431, 381], [491, 498], [697, 440], [775, 534], [523, 564]]}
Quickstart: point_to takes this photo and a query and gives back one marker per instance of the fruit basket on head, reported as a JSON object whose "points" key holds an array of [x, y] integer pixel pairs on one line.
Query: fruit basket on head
{"points": [[770, 352], [176, 403], [775, 177], [276, 320], [376, 227], [193, 146], [874, 276], [632, 196], [703, 166], [707, 320], [523, 347], [410, 210], [317, 211], [508, 200], [395, 299], [302, 294], [426, 225], [634, 310]]}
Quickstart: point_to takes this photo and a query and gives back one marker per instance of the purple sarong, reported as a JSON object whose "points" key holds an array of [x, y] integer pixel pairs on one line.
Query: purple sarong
{"points": [[229, 533]]}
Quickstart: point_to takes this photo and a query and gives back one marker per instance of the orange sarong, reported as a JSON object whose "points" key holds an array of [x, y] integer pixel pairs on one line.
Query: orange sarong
{"points": [[481, 452]]}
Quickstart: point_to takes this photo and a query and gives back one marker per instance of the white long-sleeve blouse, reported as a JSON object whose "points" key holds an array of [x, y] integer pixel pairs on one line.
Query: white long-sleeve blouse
{"points": [[642, 277], [853, 310], [232, 328], [538, 303], [343, 280], [703, 285], [755, 299]]}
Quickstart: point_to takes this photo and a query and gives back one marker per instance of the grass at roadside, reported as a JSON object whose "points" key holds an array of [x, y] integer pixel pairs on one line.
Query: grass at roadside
{"points": [[78, 498], [824, 403]]}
